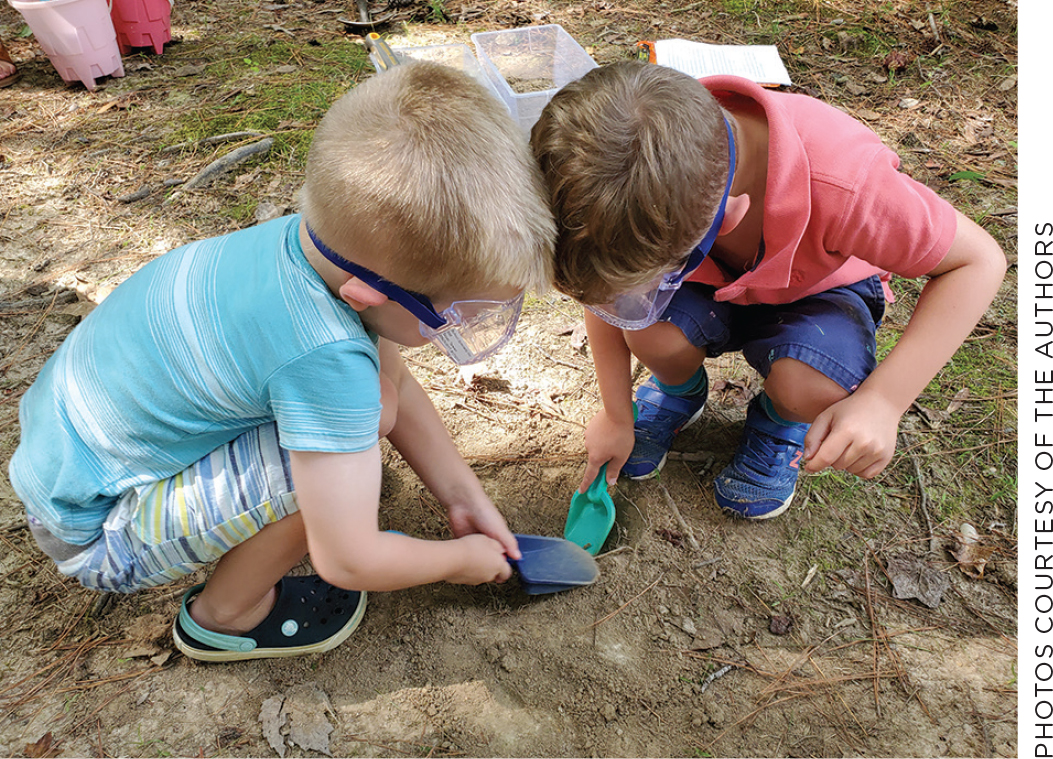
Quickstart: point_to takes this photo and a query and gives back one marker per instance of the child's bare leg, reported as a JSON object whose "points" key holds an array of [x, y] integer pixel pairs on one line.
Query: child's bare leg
{"points": [[800, 393], [672, 399], [664, 349], [240, 593]]}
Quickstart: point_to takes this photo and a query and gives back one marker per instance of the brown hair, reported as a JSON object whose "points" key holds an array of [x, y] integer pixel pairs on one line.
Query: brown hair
{"points": [[635, 158], [424, 158]]}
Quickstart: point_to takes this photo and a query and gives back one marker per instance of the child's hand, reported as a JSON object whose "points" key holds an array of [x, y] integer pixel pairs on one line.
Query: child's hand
{"points": [[484, 561], [856, 435], [608, 442], [481, 516]]}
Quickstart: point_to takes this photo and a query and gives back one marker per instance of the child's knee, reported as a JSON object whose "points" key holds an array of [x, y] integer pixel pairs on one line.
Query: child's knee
{"points": [[800, 392], [389, 401], [663, 345]]}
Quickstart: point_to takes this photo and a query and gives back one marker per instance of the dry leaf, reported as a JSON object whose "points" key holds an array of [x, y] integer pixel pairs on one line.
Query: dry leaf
{"points": [[731, 392], [972, 559], [671, 536], [139, 650], [956, 402], [934, 417], [914, 578], [45, 747], [306, 706], [971, 554], [897, 60], [272, 720], [152, 628], [189, 70]]}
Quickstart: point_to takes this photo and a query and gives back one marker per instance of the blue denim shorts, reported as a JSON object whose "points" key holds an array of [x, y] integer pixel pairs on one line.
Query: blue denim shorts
{"points": [[831, 331]]}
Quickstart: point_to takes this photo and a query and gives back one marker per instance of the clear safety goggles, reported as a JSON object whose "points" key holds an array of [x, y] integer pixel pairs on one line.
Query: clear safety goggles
{"points": [[468, 332], [644, 305]]}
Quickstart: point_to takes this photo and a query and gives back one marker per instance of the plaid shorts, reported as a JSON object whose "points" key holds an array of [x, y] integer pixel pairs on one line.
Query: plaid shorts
{"points": [[160, 532]]}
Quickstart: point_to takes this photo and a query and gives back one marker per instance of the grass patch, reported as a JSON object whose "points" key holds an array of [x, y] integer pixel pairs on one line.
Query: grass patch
{"points": [[279, 87]]}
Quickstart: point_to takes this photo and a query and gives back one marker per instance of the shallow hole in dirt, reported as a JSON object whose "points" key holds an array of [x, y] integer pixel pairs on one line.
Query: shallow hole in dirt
{"points": [[630, 523]]}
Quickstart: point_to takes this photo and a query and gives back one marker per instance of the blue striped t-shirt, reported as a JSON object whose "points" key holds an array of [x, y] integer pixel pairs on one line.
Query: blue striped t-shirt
{"points": [[198, 346]]}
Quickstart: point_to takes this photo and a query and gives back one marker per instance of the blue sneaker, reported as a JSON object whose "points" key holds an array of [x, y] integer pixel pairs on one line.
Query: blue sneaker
{"points": [[659, 419], [760, 481]]}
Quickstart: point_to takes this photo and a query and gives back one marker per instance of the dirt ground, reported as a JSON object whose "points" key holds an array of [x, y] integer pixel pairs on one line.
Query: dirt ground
{"points": [[846, 627]]}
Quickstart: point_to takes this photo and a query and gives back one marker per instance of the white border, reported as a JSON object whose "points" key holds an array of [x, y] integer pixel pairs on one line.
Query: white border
{"points": [[1035, 234]]}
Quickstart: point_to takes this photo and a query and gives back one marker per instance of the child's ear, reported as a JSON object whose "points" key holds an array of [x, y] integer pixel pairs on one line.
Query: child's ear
{"points": [[734, 211], [359, 295]]}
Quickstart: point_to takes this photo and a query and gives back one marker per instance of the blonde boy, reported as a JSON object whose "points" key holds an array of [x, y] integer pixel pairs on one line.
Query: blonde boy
{"points": [[226, 401]]}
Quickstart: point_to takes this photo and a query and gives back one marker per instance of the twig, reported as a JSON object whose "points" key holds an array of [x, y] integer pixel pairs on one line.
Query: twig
{"points": [[71, 625], [619, 609], [707, 562], [877, 634], [222, 165], [60, 298], [749, 716], [798, 661], [688, 456], [86, 684], [805, 685], [679, 518], [904, 682], [934, 543], [213, 140], [839, 695], [466, 407], [555, 360], [32, 333], [714, 676], [988, 748], [935, 29]]}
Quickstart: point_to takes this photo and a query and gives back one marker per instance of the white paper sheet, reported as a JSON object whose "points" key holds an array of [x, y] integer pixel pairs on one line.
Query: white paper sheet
{"points": [[761, 63]]}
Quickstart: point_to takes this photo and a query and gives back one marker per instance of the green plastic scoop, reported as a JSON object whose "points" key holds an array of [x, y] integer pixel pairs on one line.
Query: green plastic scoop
{"points": [[591, 515]]}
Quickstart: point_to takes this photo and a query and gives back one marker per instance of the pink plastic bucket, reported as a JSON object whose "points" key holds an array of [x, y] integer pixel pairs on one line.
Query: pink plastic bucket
{"points": [[141, 23], [77, 36]]}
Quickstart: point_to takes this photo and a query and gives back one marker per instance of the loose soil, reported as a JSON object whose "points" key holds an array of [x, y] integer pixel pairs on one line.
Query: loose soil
{"points": [[704, 636]]}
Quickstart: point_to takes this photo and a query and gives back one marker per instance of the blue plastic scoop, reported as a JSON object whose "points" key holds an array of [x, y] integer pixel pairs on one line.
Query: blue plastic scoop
{"points": [[550, 565], [591, 515]]}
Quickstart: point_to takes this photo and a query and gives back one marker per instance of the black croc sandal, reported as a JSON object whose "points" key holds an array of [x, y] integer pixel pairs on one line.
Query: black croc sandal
{"points": [[309, 616]]}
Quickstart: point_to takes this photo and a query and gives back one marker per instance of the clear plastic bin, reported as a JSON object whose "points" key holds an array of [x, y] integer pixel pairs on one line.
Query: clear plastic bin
{"points": [[528, 66], [458, 56]]}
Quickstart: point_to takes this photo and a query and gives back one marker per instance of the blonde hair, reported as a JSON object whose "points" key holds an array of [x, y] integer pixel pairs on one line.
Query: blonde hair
{"points": [[426, 159], [635, 157]]}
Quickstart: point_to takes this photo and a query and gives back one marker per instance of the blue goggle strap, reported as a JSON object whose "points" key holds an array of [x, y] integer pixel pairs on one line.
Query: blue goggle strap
{"points": [[700, 251], [417, 304]]}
